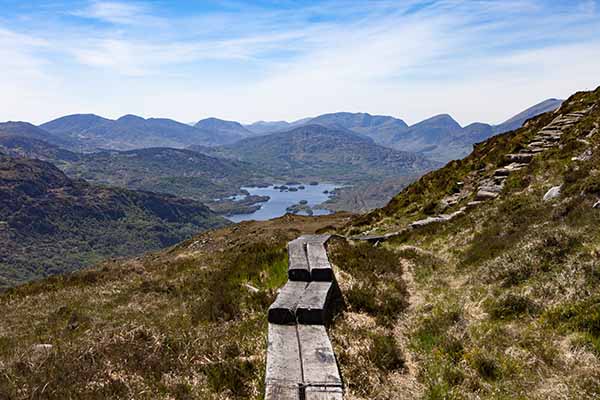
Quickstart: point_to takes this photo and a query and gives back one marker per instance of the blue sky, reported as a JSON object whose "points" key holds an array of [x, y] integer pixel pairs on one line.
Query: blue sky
{"points": [[478, 60]]}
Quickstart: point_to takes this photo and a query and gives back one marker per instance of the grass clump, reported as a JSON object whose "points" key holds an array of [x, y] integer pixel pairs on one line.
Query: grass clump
{"points": [[486, 366], [385, 354], [509, 306]]}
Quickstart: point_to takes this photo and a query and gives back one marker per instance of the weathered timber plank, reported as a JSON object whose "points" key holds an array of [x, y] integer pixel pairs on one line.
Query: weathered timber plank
{"points": [[323, 393], [298, 269], [281, 391], [316, 239], [320, 268], [316, 306], [284, 368], [318, 360], [283, 310]]}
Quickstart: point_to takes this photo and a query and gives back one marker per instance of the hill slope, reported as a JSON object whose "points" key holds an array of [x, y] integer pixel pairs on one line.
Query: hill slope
{"points": [[180, 172], [28, 147], [51, 224], [226, 131], [27, 130], [505, 289], [380, 128], [317, 152]]}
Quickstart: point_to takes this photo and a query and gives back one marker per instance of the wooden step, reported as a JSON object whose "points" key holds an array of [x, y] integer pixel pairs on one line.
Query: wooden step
{"points": [[318, 360], [316, 239], [284, 308], [298, 268], [320, 268], [323, 393], [317, 304], [284, 364]]}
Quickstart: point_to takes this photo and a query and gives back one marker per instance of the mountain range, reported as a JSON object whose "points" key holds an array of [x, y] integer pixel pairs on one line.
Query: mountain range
{"points": [[88, 132], [440, 137]]}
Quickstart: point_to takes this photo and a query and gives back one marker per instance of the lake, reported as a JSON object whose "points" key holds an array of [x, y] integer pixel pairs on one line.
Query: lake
{"points": [[276, 206]]}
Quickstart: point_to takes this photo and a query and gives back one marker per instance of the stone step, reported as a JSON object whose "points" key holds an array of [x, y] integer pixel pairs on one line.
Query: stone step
{"points": [[551, 138], [323, 393], [564, 123], [473, 204], [549, 133], [516, 166], [537, 143], [537, 149], [521, 157], [502, 172], [483, 195], [491, 187]]}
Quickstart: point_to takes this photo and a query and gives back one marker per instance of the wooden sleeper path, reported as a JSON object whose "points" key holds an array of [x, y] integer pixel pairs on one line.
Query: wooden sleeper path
{"points": [[301, 364]]}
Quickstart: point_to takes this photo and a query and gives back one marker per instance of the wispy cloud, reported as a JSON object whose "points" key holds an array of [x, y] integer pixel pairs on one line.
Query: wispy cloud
{"points": [[116, 12], [479, 60]]}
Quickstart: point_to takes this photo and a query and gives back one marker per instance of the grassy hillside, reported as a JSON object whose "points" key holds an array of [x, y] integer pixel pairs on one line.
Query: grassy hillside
{"points": [[52, 224], [187, 323], [504, 299]]}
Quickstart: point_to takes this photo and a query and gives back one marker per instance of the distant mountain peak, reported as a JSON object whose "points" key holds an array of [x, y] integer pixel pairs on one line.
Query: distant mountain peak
{"points": [[130, 118], [439, 120]]}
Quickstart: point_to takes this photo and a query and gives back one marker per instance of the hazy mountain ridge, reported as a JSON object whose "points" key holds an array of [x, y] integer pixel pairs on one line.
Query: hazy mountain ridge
{"points": [[315, 151], [227, 131], [439, 137], [27, 130], [89, 132], [441, 141], [53, 224]]}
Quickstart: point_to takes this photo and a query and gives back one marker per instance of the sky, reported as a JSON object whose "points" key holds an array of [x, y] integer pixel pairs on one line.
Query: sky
{"points": [[477, 60]]}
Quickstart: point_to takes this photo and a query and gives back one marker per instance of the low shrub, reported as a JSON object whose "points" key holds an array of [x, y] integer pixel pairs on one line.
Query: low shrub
{"points": [[486, 366]]}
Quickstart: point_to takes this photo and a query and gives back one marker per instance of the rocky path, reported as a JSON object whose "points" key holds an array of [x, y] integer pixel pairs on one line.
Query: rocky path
{"points": [[546, 138], [490, 188], [301, 364]]}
